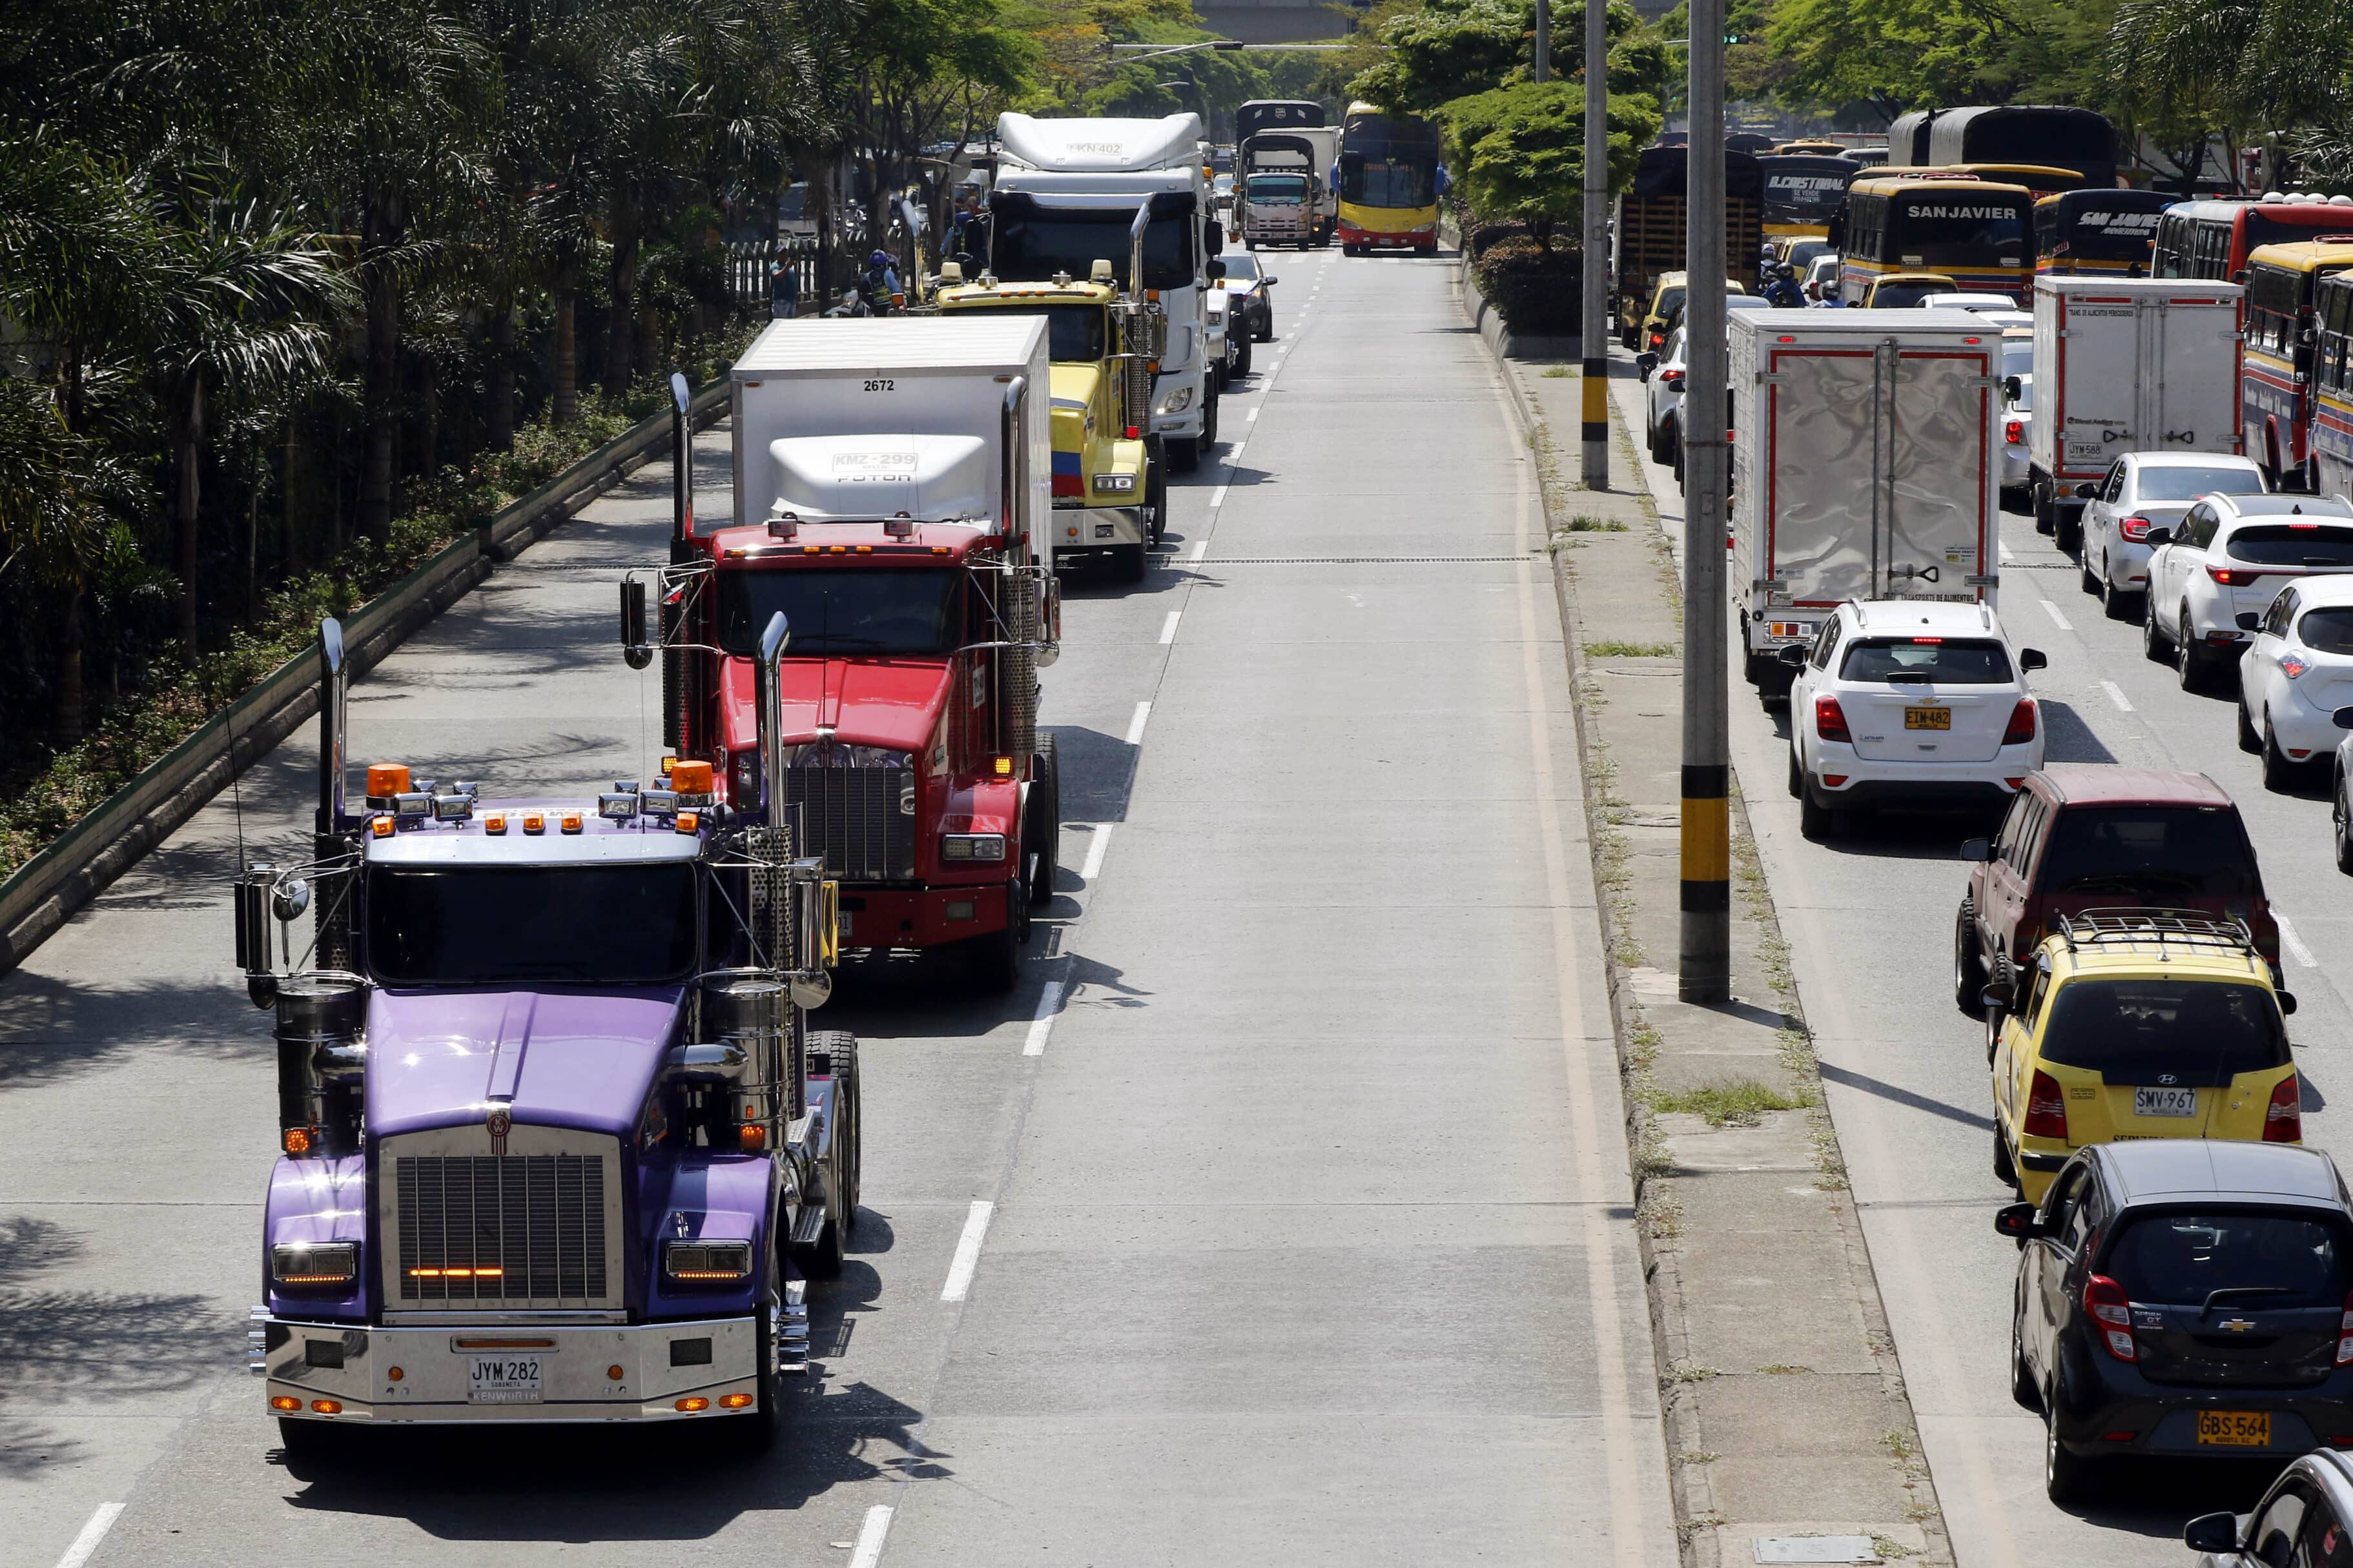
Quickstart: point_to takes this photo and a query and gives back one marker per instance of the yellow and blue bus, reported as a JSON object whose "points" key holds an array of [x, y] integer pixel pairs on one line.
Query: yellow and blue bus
{"points": [[2282, 351], [1389, 182], [2112, 231], [1977, 233], [2043, 179]]}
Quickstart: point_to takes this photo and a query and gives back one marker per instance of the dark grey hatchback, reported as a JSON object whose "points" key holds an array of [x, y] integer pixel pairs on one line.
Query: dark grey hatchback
{"points": [[2184, 1297]]}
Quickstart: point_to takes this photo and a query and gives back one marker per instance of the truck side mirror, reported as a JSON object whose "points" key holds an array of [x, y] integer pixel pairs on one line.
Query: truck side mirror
{"points": [[2248, 620], [2033, 658], [1977, 849], [634, 646], [2016, 1221], [2213, 1532], [1217, 271], [2011, 386], [1791, 654]]}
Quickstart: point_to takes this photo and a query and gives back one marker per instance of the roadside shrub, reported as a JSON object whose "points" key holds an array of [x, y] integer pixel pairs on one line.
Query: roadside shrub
{"points": [[1536, 291]]}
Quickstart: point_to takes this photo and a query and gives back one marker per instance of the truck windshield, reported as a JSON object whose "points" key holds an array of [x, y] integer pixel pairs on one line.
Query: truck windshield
{"points": [[1278, 188], [1073, 333], [2151, 851], [2199, 1032], [531, 925], [1033, 242], [843, 610]]}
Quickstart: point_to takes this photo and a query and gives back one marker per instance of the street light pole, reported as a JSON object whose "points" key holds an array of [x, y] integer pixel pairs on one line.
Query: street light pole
{"points": [[1703, 963], [1542, 64], [1594, 257]]}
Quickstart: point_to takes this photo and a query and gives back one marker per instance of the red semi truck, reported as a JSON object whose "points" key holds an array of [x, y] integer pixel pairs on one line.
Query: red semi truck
{"points": [[892, 496]]}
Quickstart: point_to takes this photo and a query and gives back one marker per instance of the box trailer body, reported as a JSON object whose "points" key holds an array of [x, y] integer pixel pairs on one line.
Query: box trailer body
{"points": [[850, 417], [1862, 468], [2128, 364]]}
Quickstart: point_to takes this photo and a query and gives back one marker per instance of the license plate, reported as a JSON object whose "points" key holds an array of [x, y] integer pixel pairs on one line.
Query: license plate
{"points": [[502, 1380], [2164, 1102], [2235, 1428], [843, 925], [1927, 717]]}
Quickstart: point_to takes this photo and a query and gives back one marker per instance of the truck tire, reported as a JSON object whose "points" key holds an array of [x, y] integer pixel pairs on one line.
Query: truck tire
{"points": [[755, 1431], [822, 1259], [843, 1046], [2046, 514], [1041, 821], [1210, 420], [1184, 453], [2067, 529], [996, 958], [1128, 562], [1240, 365]]}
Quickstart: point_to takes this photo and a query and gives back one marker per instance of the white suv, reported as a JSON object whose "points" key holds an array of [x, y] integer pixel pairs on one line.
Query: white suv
{"points": [[2296, 674], [2226, 558], [1909, 702], [2145, 491]]}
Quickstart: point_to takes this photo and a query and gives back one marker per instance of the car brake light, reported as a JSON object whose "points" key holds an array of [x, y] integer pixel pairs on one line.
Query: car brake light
{"points": [[1829, 719], [2133, 529], [2291, 666], [2345, 1334], [2014, 431], [1657, 339], [1672, 377], [2022, 724], [2231, 577], [2105, 1302], [2046, 1112], [2283, 1116]]}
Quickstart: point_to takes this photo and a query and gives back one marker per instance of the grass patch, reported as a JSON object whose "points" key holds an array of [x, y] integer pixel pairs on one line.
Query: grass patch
{"points": [[1592, 525], [1632, 650], [1783, 1369], [1559, 373], [1690, 1372], [1740, 1103]]}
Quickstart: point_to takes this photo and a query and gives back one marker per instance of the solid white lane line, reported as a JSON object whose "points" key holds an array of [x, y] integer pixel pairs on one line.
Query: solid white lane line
{"points": [[1218, 496], [1050, 1002], [87, 1542], [1168, 627], [1135, 725], [2056, 618], [2117, 695], [967, 1259], [2006, 556], [1093, 866], [871, 1536], [2293, 942]]}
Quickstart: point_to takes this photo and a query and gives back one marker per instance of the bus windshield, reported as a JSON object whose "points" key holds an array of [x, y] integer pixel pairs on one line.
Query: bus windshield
{"points": [[1936, 228], [1372, 182]]}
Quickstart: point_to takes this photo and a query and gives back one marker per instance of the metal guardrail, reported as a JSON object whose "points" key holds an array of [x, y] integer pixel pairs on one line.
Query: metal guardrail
{"points": [[44, 891]]}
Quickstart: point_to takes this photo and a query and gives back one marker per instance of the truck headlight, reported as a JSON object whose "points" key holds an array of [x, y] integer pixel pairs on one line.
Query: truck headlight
{"points": [[972, 847], [707, 1262], [1123, 484], [314, 1263], [1178, 401]]}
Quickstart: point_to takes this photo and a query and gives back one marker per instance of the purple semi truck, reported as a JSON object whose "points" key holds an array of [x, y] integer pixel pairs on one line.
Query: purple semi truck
{"points": [[558, 1142]]}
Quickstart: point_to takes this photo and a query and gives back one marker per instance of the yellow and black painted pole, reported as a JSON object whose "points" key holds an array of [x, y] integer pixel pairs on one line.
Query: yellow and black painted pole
{"points": [[1594, 325]]}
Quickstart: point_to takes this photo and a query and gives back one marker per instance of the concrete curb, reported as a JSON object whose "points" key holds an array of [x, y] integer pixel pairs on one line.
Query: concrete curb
{"points": [[77, 866]]}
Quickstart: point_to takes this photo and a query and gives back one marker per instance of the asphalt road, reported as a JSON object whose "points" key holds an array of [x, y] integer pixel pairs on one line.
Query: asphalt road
{"points": [[1870, 920], [1294, 1166]]}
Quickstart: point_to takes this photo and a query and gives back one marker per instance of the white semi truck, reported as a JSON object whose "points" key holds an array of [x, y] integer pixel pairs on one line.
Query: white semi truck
{"points": [[2127, 364], [1067, 191], [1862, 468]]}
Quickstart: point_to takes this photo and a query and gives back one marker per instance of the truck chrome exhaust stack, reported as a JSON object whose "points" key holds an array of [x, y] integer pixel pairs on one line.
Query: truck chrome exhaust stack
{"points": [[1013, 461], [768, 700]]}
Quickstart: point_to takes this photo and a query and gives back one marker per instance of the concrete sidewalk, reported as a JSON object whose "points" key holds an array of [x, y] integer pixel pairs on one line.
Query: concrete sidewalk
{"points": [[1786, 1410]]}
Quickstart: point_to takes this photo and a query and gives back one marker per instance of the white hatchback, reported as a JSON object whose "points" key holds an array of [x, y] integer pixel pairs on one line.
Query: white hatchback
{"points": [[1909, 702], [2145, 491], [2228, 557], [2296, 675]]}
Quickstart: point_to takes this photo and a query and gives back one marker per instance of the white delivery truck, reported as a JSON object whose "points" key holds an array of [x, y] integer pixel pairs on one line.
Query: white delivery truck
{"points": [[2127, 364], [1862, 468], [938, 419], [1066, 193]]}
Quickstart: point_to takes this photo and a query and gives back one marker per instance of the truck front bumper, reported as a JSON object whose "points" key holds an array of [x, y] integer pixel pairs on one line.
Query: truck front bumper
{"points": [[390, 1376], [1086, 530], [880, 917]]}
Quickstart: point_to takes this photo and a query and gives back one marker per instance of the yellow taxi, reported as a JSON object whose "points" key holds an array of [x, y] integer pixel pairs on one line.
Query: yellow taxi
{"points": [[2137, 1024], [1903, 291], [1666, 311]]}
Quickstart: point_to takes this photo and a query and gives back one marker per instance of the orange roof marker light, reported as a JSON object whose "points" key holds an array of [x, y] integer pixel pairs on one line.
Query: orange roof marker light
{"points": [[386, 780], [535, 822], [571, 821]]}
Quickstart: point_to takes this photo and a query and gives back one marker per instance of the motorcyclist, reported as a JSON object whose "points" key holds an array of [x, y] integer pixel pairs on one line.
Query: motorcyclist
{"points": [[1783, 291]]}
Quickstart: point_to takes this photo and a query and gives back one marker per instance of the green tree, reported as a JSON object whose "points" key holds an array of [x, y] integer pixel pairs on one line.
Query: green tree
{"points": [[1519, 151], [1441, 50]]}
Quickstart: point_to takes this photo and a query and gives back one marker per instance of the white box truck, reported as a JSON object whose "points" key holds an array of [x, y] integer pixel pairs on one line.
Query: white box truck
{"points": [[849, 419], [2127, 364], [1067, 191], [1862, 468]]}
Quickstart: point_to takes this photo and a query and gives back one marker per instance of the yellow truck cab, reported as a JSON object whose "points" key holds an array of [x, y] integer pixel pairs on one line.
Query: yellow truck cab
{"points": [[2137, 1023], [1111, 497]]}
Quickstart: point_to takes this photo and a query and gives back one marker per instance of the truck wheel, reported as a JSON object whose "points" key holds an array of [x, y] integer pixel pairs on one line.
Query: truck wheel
{"points": [[2067, 529], [997, 957], [1127, 563], [1210, 421], [1041, 826], [1242, 361], [1156, 497], [1184, 453], [1969, 963], [756, 1429], [2046, 516], [849, 1132]]}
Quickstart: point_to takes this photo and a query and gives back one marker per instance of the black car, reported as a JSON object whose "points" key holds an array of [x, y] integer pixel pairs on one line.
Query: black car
{"points": [[2184, 1297], [2300, 1524]]}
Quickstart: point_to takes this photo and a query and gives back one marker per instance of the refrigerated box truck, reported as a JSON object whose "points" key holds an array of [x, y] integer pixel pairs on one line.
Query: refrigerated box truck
{"points": [[1862, 468], [2127, 364]]}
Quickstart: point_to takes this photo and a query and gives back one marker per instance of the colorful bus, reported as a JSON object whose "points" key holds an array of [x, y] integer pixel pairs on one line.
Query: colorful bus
{"points": [[2332, 414], [2213, 239], [1389, 182], [2283, 292], [1978, 234], [1802, 192], [2098, 231]]}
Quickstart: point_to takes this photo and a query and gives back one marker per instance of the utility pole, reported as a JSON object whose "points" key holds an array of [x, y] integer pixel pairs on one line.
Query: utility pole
{"points": [[1703, 964], [1543, 62], [1593, 261]]}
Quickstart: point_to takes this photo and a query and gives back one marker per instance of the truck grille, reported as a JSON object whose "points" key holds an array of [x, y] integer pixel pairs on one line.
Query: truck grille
{"points": [[851, 817], [519, 1229]]}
